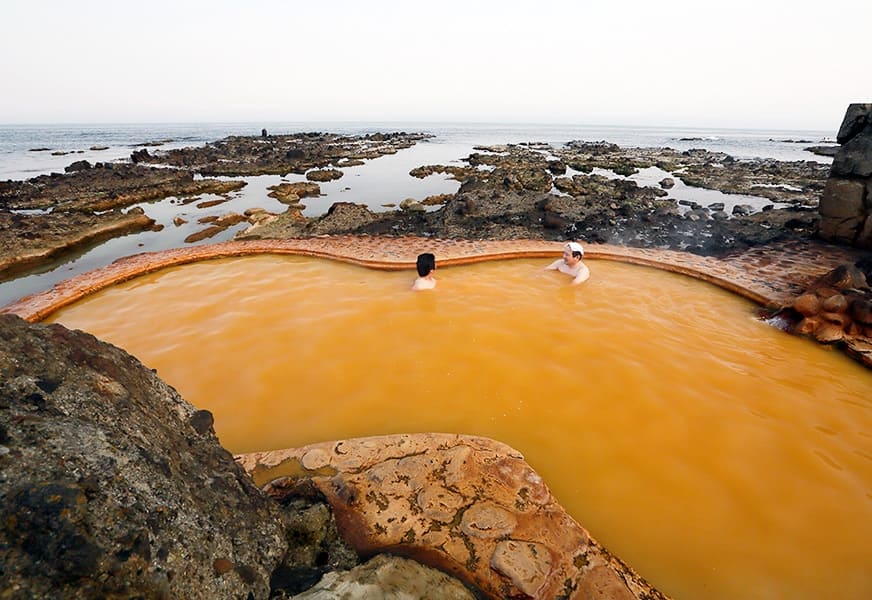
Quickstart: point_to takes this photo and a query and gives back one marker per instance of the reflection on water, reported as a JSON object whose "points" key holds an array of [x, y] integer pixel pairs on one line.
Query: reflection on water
{"points": [[680, 191], [714, 453]]}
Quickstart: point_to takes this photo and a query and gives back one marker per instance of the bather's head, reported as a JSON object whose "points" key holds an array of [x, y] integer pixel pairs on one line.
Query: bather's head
{"points": [[572, 253], [426, 264]]}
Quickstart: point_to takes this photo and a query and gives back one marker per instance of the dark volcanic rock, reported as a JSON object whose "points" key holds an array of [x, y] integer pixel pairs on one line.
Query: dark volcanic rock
{"points": [[509, 192], [281, 154], [45, 217], [846, 205], [797, 182], [823, 150], [105, 187], [111, 485], [324, 174], [79, 165]]}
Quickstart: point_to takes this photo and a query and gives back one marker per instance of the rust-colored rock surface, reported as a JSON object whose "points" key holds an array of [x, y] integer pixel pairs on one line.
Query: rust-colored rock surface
{"points": [[470, 506], [836, 309]]}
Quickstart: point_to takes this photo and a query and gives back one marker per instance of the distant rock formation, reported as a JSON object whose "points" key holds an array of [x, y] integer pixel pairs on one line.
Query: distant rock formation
{"points": [[846, 206]]}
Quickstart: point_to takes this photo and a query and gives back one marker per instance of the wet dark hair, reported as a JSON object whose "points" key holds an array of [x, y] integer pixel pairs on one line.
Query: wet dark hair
{"points": [[577, 254], [426, 263]]}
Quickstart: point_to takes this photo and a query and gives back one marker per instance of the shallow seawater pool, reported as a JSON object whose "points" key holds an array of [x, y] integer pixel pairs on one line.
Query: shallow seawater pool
{"points": [[718, 456]]}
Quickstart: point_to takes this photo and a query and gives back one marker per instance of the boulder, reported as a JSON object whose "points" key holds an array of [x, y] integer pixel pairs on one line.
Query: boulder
{"points": [[842, 199], [807, 326], [843, 277], [864, 238], [290, 193], [204, 234], [79, 165], [412, 205], [836, 303], [388, 578], [855, 157], [861, 311], [857, 117], [846, 205], [111, 485], [324, 175], [340, 217], [807, 305], [837, 308]]}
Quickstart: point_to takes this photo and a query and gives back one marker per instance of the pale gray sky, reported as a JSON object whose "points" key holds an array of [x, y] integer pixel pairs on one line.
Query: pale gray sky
{"points": [[771, 64]]}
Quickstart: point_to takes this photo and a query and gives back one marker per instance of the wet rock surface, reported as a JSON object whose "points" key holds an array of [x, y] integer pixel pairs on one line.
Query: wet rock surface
{"points": [[29, 241], [47, 216], [837, 309], [111, 485], [50, 215], [538, 192], [104, 187]]}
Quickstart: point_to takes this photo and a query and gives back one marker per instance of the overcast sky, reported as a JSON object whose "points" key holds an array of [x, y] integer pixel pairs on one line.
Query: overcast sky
{"points": [[769, 64]]}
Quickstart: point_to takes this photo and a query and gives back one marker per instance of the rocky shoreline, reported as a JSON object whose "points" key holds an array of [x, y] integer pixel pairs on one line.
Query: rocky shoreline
{"points": [[522, 191], [113, 485], [538, 192]]}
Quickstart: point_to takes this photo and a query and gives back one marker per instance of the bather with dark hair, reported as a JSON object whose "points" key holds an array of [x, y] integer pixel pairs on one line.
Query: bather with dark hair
{"points": [[425, 264]]}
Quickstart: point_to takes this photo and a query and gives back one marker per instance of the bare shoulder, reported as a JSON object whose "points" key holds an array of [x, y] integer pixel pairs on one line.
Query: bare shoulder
{"points": [[582, 275], [423, 283]]}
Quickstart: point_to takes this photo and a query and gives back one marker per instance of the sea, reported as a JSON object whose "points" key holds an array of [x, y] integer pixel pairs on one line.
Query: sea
{"points": [[28, 151]]}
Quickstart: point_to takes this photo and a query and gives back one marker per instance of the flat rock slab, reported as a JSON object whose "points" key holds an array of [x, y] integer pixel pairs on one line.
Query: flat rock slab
{"points": [[469, 506]]}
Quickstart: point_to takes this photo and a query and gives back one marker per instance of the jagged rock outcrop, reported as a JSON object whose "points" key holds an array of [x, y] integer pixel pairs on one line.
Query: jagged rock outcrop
{"points": [[846, 205], [111, 485], [467, 505], [837, 309]]}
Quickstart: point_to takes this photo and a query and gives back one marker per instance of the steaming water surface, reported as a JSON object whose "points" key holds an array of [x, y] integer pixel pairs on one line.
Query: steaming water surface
{"points": [[719, 456]]}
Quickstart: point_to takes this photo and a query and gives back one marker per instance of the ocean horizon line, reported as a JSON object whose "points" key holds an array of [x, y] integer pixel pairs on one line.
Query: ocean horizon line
{"points": [[396, 124]]}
